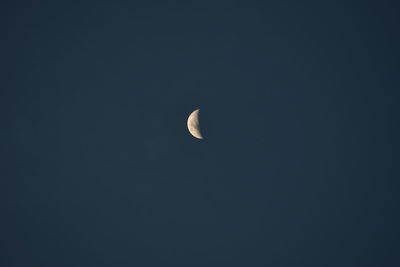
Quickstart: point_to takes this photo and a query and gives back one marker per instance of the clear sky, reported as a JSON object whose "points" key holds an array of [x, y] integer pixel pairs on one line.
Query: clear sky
{"points": [[300, 113]]}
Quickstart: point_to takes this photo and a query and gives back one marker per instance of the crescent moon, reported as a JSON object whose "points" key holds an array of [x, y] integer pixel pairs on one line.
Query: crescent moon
{"points": [[193, 124]]}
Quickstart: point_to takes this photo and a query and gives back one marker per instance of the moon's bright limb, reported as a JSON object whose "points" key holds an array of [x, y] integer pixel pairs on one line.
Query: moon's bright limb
{"points": [[193, 124]]}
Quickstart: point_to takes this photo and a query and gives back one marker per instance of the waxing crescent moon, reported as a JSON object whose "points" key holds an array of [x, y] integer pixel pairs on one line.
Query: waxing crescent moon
{"points": [[193, 124]]}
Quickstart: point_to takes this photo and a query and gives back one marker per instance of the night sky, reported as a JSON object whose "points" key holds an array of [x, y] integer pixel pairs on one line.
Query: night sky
{"points": [[299, 108]]}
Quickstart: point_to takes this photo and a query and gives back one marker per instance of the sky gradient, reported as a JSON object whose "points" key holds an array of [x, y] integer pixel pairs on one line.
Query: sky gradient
{"points": [[300, 113]]}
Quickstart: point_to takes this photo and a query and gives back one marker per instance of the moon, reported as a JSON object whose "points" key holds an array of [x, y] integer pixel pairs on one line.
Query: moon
{"points": [[193, 124]]}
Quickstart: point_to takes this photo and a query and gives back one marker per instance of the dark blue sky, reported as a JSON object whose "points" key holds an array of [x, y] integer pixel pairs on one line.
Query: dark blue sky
{"points": [[300, 109]]}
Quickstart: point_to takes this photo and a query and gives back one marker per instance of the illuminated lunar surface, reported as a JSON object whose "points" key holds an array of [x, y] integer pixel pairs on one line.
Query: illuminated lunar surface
{"points": [[193, 124]]}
